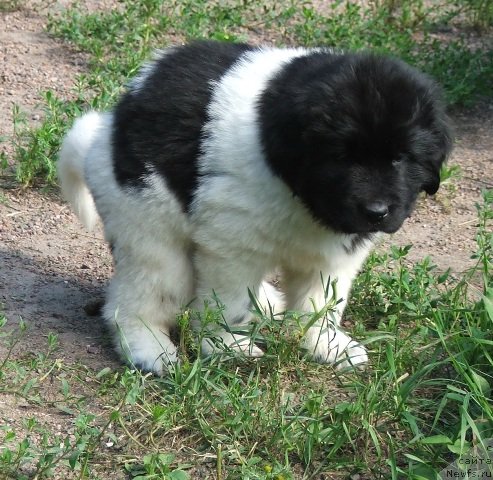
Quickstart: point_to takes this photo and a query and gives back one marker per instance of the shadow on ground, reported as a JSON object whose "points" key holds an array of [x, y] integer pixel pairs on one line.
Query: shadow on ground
{"points": [[51, 301]]}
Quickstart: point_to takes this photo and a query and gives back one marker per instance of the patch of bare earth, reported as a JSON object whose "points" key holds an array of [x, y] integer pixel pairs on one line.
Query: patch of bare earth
{"points": [[50, 267]]}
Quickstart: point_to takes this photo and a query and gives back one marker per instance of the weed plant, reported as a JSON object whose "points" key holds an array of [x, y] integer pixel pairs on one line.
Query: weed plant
{"points": [[119, 40], [424, 401]]}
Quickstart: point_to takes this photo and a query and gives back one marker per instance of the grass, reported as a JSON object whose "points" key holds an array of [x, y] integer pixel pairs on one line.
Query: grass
{"points": [[9, 5], [118, 41], [426, 397], [425, 400]]}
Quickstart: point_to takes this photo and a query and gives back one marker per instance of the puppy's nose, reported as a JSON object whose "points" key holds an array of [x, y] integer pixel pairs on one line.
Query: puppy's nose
{"points": [[376, 211]]}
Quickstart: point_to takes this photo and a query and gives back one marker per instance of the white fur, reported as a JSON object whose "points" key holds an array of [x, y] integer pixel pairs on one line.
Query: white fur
{"points": [[249, 215], [151, 236], [244, 224], [71, 167]]}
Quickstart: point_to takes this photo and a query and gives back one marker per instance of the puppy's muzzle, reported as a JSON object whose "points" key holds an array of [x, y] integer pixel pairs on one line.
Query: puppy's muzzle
{"points": [[375, 212]]}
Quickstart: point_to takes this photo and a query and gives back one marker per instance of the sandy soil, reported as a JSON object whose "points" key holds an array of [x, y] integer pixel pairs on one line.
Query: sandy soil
{"points": [[50, 267]]}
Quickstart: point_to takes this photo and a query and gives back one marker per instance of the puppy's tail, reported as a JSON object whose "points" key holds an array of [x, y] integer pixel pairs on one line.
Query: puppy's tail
{"points": [[70, 167]]}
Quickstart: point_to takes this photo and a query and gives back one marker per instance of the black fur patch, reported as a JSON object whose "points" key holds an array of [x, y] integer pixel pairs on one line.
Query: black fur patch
{"points": [[347, 131], [158, 126]]}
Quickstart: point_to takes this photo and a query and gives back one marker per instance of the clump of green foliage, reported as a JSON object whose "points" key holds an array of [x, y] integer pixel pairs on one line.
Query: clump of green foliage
{"points": [[426, 397], [424, 400], [118, 41]]}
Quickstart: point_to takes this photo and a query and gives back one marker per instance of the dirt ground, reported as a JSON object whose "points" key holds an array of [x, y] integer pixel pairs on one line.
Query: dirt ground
{"points": [[50, 267]]}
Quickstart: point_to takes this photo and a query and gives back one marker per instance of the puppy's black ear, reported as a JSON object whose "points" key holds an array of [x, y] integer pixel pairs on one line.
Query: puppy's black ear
{"points": [[432, 181], [432, 184]]}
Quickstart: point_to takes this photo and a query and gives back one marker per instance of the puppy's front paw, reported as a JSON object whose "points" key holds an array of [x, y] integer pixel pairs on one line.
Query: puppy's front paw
{"points": [[333, 346], [149, 351], [227, 343], [354, 355]]}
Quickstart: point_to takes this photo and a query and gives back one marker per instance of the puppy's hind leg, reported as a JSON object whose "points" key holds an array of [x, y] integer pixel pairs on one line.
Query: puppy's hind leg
{"points": [[144, 298]]}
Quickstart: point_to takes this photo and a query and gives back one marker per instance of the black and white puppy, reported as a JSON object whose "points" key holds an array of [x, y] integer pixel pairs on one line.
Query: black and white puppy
{"points": [[224, 162]]}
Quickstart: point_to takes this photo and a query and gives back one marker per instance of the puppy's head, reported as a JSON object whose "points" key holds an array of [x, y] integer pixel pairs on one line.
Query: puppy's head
{"points": [[356, 137]]}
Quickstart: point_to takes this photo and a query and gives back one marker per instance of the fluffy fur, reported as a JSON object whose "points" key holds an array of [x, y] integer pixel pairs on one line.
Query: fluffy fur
{"points": [[225, 162]]}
